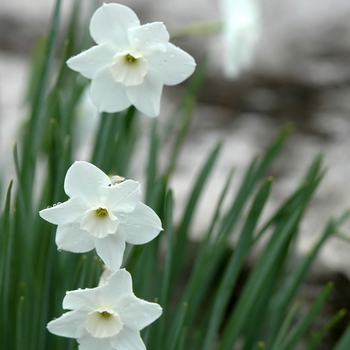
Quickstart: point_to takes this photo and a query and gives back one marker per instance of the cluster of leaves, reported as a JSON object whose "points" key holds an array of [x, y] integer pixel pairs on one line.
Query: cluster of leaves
{"points": [[195, 285]]}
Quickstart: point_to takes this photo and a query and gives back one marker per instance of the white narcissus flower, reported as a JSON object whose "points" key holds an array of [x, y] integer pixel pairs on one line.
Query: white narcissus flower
{"points": [[131, 62], [241, 29], [106, 317], [101, 215]]}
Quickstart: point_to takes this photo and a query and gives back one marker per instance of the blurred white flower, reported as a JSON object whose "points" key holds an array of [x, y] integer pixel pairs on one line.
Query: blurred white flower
{"points": [[131, 62], [101, 215], [241, 29], [106, 317]]}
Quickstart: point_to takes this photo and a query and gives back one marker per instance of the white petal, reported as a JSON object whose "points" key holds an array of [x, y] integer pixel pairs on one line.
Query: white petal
{"points": [[83, 299], [174, 66], [118, 285], [63, 213], [128, 339], [71, 325], [72, 238], [122, 197], [111, 250], [91, 343], [146, 96], [110, 24], [149, 38], [90, 61], [84, 179], [99, 226], [141, 225], [137, 313], [106, 94]]}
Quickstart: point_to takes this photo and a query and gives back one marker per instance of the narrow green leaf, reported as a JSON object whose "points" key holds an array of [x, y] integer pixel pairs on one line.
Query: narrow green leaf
{"points": [[188, 212], [20, 344], [344, 342], [5, 270], [298, 274], [235, 264], [188, 113], [35, 128], [206, 263], [176, 336], [302, 326], [317, 337], [168, 229], [152, 164], [277, 245], [281, 335]]}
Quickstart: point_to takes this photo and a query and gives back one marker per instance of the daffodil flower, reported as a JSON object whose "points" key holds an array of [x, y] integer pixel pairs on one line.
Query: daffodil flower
{"points": [[106, 317], [131, 62], [241, 29], [101, 214]]}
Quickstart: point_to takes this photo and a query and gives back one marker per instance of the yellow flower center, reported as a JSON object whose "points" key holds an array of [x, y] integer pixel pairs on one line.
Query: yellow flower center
{"points": [[105, 314], [130, 59], [101, 212]]}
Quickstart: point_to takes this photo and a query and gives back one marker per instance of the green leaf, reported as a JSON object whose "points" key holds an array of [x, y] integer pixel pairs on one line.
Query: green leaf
{"points": [[316, 337], [344, 342], [302, 326], [235, 264]]}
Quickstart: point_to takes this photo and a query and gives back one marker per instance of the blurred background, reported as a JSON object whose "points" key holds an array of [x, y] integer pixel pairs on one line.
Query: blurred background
{"points": [[300, 73]]}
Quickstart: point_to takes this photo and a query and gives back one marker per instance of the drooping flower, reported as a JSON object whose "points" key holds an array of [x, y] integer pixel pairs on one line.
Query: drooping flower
{"points": [[131, 62], [101, 214], [241, 29], [106, 317]]}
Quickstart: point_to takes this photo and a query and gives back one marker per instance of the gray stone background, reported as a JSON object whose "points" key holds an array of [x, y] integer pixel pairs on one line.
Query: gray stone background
{"points": [[301, 73]]}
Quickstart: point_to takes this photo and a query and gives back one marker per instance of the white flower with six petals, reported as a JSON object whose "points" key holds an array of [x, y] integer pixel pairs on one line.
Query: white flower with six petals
{"points": [[106, 317], [101, 215], [131, 62]]}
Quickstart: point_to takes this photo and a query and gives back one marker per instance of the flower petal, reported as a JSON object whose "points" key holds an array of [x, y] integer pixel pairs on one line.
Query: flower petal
{"points": [[128, 339], [83, 299], [137, 313], [110, 24], [174, 66], [72, 238], [122, 197], [63, 213], [91, 343], [71, 325], [118, 285], [90, 61], [111, 249], [87, 299], [83, 180], [106, 94], [146, 96], [149, 38], [141, 225]]}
